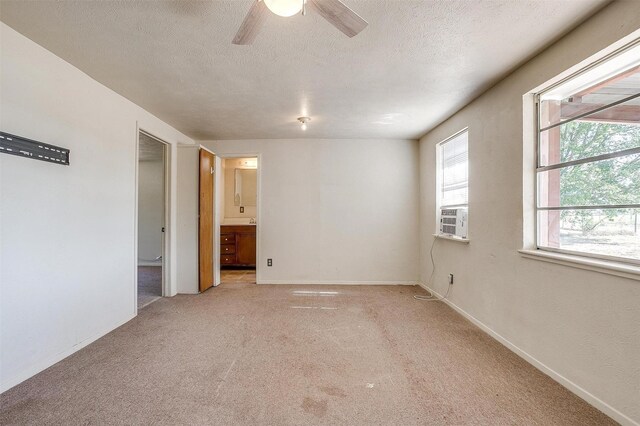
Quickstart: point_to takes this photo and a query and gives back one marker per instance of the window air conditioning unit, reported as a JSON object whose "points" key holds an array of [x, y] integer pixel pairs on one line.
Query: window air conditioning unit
{"points": [[453, 222]]}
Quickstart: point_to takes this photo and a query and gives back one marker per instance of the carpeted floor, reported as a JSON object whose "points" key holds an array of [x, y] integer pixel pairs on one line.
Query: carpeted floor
{"points": [[149, 284], [278, 355]]}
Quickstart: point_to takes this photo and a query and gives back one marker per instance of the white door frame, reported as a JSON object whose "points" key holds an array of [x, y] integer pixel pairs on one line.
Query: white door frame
{"points": [[166, 253], [258, 205]]}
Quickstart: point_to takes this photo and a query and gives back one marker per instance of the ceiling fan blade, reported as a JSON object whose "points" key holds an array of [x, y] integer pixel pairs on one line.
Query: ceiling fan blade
{"points": [[252, 23], [340, 16]]}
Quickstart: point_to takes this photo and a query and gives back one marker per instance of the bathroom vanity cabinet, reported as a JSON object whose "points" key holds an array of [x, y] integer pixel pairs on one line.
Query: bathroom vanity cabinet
{"points": [[238, 245]]}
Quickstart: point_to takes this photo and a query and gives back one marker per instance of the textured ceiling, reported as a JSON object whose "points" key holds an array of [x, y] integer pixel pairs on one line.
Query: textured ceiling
{"points": [[415, 64]]}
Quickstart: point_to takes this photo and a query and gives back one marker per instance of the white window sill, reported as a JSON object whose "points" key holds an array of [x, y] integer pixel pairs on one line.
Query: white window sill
{"points": [[450, 238], [603, 266]]}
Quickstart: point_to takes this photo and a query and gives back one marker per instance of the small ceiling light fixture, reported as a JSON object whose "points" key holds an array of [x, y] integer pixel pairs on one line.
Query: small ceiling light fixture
{"points": [[284, 8], [303, 121]]}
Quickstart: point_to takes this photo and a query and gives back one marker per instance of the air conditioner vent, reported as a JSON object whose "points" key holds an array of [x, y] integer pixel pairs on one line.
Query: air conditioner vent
{"points": [[454, 222]]}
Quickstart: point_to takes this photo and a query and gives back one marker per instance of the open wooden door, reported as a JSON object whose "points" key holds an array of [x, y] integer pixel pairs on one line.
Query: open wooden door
{"points": [[205, 222]]}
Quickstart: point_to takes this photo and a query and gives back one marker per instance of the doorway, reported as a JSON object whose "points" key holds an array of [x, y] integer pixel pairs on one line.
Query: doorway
{"points": [[239, 224], [152, 197]]}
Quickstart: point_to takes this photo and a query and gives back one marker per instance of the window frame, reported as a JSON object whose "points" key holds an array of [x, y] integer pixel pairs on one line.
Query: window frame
{"points": [[439, 183], [537, 169]]}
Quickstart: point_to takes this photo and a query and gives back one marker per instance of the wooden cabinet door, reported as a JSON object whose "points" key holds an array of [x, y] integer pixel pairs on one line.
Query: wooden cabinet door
{"points": [[246, 249], [205, 221]]}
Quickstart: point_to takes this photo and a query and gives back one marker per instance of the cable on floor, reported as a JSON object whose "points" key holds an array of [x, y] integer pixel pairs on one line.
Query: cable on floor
{"points": [[432, 297]]}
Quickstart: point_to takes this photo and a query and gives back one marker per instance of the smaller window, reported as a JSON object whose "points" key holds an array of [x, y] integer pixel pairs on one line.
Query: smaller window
{"points": [[453, 185]]}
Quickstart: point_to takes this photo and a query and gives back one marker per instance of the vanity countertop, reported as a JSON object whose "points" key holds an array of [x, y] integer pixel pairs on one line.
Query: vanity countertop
{"points": [[236, 222]]}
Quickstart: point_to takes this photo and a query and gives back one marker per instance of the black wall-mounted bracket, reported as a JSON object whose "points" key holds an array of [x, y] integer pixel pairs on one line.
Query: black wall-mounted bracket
{"points": [[27, 148]]}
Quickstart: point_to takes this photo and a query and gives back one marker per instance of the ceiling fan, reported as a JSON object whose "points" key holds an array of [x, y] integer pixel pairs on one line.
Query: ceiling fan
{"points": [[334, 11]]}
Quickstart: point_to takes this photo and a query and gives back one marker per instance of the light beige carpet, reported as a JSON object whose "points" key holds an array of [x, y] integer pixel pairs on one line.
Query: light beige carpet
{"points": [[283, 355]]}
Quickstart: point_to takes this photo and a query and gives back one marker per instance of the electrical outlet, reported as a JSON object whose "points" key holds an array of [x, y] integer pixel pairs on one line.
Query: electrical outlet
{"points": [[450, 278], [269, 262], [241, 209]]}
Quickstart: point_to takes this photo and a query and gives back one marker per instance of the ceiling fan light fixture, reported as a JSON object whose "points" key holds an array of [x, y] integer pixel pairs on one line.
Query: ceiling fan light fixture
{"points": [[334, 11], [284, 8]]}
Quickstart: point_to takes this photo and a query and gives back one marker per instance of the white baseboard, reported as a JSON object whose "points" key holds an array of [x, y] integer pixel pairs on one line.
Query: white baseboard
{"points": [[573, 387], [336, 282], [43, 365]]}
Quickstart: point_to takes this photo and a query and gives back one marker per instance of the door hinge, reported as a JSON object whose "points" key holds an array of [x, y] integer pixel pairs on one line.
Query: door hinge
{"points": [[212, 170]]}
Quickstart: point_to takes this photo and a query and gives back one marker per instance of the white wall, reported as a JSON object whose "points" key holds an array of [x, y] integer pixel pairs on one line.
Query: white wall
{"points": [[68, 232], [150, 211], [582, 325], [187, 219], [335, 211]]}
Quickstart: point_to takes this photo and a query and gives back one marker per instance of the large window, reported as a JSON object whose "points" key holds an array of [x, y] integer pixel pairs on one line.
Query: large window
{"points": [[453, 184], [588, 166]]}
